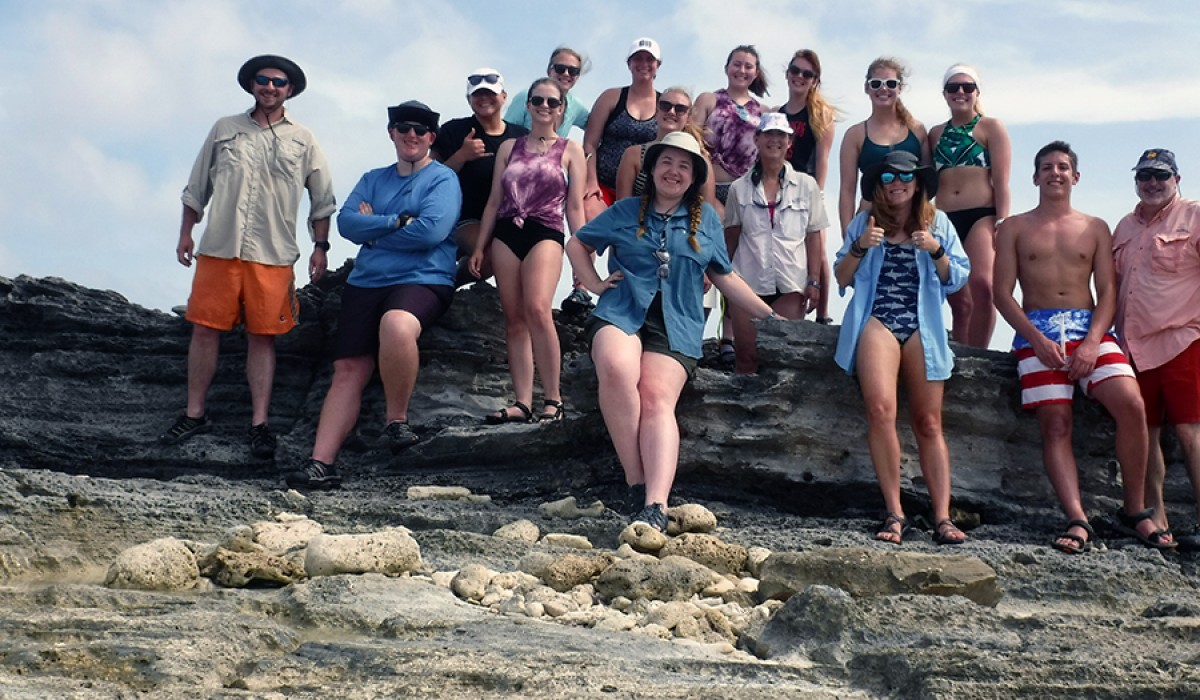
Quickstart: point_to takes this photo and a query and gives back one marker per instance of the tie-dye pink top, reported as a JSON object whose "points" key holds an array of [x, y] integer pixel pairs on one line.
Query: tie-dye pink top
{"points": [[729, 133], [534, 186]]}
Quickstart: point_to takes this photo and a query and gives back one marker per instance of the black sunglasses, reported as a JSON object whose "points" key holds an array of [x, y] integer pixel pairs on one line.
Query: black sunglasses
{"points": [[265, 80], [804, 72], [489, 78], [1148, 175], [667, 106], [551, 102], [561, 68], [405, 127], [968, 88]]}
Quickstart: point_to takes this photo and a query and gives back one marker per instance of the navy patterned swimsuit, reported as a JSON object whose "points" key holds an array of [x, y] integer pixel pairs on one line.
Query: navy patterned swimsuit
{"points": [[896, 290]]}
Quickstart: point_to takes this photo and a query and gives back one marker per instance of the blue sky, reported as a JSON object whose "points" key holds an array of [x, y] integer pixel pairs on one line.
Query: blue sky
{"points": [[104, 103]]}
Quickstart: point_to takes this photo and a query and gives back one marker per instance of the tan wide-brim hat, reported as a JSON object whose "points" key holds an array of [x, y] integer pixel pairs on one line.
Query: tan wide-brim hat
{"points": [[684, 142]]}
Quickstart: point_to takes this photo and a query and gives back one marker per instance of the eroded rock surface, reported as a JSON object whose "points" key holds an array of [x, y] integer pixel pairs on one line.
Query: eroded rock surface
{"points": [[775, 464]]}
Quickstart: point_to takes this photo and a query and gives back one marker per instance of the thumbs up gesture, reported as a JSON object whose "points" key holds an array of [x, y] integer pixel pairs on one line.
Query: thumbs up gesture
{"points": [[872, 235]]}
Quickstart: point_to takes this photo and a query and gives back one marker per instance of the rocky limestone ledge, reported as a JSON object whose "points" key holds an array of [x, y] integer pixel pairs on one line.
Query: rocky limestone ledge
{"points": [[87, 381]]}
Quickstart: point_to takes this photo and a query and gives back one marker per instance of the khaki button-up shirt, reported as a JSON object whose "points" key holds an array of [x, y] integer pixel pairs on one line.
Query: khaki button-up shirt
{"points": [[1158, 282], [253, 177]]}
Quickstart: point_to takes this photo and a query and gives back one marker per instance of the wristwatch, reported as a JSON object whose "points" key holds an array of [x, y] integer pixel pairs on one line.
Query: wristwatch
{"points": [[321, 245]]}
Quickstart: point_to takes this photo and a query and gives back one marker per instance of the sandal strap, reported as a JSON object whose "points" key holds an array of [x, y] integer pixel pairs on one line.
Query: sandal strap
{"points": [[528, 412], [1082, 525], [1131, 520]]}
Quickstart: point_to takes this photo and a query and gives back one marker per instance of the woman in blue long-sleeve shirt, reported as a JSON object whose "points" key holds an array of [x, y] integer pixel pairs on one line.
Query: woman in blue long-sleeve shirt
{"points": [[403, 216]]}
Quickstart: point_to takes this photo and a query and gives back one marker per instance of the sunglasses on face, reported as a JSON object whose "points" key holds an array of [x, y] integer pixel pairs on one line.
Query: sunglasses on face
{"points": [[490, 79], [666, 106], [876, 83], [664, 263], [802, 72], [561, 68], [889, 177], [968, 88], [551, 102], [1148, 175], [405, 127], [267, 80]]}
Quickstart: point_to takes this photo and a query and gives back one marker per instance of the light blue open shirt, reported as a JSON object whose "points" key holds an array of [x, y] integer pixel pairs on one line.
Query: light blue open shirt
{"points": [[931, 295]]}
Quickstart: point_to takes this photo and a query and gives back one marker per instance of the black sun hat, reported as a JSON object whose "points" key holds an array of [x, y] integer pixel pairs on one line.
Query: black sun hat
{"points": [[899, 162], [251, 68]]}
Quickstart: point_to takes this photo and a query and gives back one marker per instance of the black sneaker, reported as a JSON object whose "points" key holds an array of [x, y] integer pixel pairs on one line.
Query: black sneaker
{"points": [[313, 474], [398, 435], [578, 302], [262, 442], [653, 515], [185, 428]]}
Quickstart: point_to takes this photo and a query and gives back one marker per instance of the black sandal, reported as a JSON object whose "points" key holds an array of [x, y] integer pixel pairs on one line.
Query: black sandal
{"points": [[886, 528], [1127, 524], [943, 529], [548, 416], [1080, 545], [503, 416]]}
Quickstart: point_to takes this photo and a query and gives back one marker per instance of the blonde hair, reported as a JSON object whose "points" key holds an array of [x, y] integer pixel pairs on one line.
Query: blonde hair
{"points": [[821, 114], [902, 73]]}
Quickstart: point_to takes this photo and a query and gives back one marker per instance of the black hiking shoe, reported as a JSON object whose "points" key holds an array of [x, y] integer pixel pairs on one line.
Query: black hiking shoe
{"points": [[653, 515], [398, 436], [313, 474], [185, 428], [262, 442]]}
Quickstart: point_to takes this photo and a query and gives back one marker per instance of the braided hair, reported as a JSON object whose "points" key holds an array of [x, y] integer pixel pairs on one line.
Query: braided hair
{"points": [[695, 204]]}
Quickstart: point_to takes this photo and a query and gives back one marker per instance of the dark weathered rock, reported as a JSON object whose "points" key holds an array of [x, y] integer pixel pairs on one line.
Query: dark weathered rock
{"points": [[87, 381]]}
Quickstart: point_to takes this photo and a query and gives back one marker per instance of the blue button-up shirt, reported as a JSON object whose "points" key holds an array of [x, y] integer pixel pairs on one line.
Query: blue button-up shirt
{"points": [[625, 306]]}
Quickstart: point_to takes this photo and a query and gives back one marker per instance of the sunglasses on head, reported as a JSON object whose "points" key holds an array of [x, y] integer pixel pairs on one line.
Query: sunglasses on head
{"points": [[1148, 175], [968, 88], [489, 78], [551, 102], [667, 106], [876, 83], [405, 127], [267, 80], [561, 68], [890, 177], [803, 72]]}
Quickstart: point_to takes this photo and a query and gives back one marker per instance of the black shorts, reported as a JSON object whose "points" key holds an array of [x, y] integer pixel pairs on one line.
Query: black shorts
{"points": [[653, 334], [522, 240], [364, 307]]}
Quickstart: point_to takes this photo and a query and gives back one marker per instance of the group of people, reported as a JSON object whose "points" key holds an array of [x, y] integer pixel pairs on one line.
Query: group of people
{"points": [[686, 196]]}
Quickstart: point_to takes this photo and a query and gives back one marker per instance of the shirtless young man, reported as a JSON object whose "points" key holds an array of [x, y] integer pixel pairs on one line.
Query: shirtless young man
{"points": [[1055, 251]]}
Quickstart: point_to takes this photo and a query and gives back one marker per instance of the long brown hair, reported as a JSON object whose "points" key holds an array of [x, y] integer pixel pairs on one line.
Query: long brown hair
{"points": [[821, 114], [919, 215], [758, 86], [902, 73]]}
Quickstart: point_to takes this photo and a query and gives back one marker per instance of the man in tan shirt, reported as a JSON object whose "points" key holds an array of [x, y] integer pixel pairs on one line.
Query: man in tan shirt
{"points": [[1157, 254], [1055, 252], [252, 169]]}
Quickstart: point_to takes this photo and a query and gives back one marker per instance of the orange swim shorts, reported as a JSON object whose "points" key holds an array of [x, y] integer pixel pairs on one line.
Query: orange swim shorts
{"points": [[228, 292]]}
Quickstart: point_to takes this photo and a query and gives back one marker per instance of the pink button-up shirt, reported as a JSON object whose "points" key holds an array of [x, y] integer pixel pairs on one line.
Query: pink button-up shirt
{"points": [[1158, 282]]}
